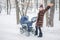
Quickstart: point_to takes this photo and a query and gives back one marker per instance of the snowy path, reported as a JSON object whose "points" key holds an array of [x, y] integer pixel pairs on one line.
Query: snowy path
{"points": [[10, 31]]}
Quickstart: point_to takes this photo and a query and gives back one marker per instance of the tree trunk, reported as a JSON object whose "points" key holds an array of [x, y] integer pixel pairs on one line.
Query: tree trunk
{"points": [[56, 4], [36, 2], [47, 20], [7, 6], [59, 9], [0, 8], [22, 6], [17, 11], [27, 7], [51, 19]]}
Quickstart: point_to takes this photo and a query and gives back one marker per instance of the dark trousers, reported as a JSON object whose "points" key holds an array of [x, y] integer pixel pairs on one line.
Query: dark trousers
{"points": [[38, 28]]}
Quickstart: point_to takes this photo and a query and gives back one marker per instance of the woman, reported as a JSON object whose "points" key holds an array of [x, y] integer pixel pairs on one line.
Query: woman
{"points": [[40, 17]]}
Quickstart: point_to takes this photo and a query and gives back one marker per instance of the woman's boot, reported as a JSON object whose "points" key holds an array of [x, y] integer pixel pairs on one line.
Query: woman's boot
{"points": [[40, 35], [40, 32]]}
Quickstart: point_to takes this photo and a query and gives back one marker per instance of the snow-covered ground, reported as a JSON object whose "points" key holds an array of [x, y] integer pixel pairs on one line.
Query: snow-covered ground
{"points": [[9, 30]]}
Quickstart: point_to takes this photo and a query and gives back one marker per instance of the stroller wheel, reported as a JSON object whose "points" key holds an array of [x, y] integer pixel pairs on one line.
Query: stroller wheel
{"points": [[33, 31], [21, 31], [27, 34]]}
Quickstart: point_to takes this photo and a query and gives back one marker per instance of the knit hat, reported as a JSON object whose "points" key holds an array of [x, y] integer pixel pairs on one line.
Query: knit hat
{"points": [[41, 5]]}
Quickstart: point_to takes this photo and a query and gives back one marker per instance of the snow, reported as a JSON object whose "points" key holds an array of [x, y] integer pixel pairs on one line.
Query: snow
{"points": [[9, 30]]}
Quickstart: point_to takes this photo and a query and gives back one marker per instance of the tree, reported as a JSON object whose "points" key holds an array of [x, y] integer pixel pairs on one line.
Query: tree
{"points": [[27, 7], [17, 11], [59, 9], [8, 6], [51, 19], [47, 13], [22, 1], [0, 8], [36, 2]]}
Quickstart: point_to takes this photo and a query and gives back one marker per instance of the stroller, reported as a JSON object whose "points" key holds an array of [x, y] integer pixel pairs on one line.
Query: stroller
{"points": [[27, 25]]}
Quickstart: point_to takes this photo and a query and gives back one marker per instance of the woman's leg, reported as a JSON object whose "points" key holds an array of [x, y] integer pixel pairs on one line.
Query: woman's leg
{"points": [[40, 32], [36, 31]]}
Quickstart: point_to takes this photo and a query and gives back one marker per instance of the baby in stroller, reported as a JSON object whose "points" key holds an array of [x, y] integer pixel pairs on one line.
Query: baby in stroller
{"points": [[27, 25]]}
